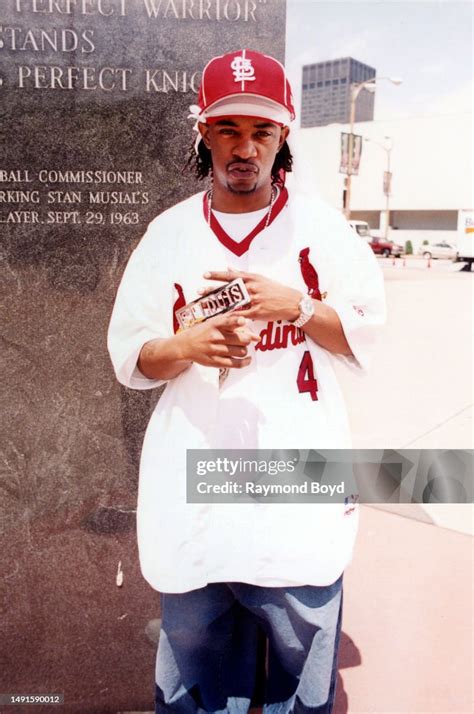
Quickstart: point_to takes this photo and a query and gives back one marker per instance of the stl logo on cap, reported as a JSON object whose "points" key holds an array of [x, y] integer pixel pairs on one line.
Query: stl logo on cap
{"points": [[243, 69], [244, 83]]}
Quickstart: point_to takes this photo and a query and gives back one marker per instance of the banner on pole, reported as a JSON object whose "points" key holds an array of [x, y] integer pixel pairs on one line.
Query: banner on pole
{"points": [[356, 153], [387, 182]]}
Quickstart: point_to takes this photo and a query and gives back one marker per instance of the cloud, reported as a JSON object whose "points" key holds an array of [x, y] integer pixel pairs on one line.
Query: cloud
{"points": [[454, 101], [457, 100], [353, 46], [438, 68]]}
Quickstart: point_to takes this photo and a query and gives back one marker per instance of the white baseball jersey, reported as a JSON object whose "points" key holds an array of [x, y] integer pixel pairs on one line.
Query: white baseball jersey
{"points": [[288, 397]]}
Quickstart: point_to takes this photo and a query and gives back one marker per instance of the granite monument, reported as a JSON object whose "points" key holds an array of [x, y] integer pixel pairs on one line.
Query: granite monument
{"points": [[94, 104]]}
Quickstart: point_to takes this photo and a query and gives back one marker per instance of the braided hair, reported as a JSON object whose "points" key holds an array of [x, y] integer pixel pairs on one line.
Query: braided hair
{"points": [[200, 163]]}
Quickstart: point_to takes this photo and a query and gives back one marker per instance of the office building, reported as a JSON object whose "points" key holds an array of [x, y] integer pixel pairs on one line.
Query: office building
{"points": [[325, 96], [428, 196]]}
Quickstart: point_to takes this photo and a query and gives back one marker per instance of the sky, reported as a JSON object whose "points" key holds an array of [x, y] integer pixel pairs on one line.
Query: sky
{"points": [[427, 43]]}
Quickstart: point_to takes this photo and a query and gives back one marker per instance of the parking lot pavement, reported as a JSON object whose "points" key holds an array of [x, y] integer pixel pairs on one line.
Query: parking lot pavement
{"points": [[419, 391], [414, 262]]}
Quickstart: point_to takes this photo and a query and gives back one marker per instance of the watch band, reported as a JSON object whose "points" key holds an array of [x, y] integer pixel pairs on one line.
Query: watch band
{"points": [[301, 320], [305, 314]]}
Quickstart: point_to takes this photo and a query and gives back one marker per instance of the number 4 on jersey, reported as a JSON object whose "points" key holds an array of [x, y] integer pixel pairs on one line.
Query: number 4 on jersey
{"points": [[306, 380]]}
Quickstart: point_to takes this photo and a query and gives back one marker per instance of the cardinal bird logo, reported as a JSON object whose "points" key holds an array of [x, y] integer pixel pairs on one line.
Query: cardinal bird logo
{"points": [[309, 274], [179, 302]]}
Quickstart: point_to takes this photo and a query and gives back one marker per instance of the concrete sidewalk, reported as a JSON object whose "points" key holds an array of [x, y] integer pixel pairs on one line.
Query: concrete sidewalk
{"points": [[419, 391], [406, 643], [407, 629]]}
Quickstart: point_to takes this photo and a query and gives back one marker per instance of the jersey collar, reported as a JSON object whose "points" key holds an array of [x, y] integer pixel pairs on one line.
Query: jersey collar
{"points": [[241, 247]]}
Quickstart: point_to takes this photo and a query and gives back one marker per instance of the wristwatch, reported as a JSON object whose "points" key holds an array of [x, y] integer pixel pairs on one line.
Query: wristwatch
{"points": [[306, 307]]}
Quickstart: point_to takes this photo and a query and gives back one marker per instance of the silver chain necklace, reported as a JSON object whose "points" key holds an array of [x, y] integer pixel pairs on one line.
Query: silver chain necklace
{"points": [[273, 198]]}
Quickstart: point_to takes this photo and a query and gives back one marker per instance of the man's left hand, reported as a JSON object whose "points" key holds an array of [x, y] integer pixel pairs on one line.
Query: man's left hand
{"points": [[270, 300]]}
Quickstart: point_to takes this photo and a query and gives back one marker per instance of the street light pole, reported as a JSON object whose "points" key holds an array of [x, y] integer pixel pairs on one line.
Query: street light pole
{"points": [[355, 90], [387, 186], [388, 149]]}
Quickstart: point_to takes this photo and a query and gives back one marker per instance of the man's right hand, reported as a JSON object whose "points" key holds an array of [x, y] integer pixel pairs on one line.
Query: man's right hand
{"points": [[220, 342]]}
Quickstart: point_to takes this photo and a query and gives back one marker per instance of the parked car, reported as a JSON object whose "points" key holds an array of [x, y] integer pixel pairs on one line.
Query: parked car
{"points": [[438, 250], [380, 246], [386, 247]]}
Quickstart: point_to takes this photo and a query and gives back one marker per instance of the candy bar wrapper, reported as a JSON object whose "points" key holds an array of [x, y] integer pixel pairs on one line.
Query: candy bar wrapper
{"points": [[225, 298]]}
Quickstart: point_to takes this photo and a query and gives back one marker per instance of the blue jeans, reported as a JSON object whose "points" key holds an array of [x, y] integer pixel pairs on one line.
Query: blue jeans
{"points": [[207, 653]]}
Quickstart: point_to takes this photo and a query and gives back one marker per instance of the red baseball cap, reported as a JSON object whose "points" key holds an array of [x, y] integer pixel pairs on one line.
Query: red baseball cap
{"points": [[245, 83]]}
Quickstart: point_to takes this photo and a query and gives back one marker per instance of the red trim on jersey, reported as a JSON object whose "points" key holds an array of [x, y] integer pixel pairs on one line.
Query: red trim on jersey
{"points": [[239, 248]]}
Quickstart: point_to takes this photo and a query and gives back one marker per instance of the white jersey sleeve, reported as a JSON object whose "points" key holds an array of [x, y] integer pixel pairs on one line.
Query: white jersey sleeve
{"points": [[356, 291], [139, 314]]}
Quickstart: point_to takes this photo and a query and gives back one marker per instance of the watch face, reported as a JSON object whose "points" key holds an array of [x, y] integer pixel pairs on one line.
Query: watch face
{"points": [[306, 305]]}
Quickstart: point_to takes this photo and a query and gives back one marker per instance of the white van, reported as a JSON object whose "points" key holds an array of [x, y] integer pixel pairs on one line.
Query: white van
{"points": [[361, 227]]}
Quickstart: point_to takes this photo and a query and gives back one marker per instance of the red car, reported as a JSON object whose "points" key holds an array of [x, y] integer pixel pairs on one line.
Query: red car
{"points": [[386, 247], [380, 246]]}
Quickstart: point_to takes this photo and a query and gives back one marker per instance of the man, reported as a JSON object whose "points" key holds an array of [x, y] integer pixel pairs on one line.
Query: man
{"points": [[258, 378]]}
